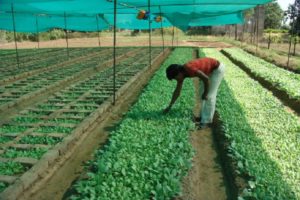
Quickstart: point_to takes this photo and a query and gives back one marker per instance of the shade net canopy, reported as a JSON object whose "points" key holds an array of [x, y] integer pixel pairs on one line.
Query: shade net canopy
{"points": [[43, 15]]}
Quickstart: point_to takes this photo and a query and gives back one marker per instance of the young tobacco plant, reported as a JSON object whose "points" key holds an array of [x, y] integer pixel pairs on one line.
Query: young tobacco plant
{"points": [[149, 152], [264, 137], [278, 77]]}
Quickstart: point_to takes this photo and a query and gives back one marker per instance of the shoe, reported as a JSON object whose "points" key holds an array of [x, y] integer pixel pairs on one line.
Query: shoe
{"points": [[196, 120], [204, 125]]}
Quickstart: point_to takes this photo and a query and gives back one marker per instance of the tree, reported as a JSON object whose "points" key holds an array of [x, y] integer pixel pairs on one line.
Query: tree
{"points": [[273, 15], [293, 15]]}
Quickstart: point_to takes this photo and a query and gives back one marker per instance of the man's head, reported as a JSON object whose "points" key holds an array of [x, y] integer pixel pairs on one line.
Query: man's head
{"points": [[173, 71]]}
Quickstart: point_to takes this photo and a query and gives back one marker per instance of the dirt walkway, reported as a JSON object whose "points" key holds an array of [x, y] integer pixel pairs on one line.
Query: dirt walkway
{"points": [[205, 180], [107, 41]]}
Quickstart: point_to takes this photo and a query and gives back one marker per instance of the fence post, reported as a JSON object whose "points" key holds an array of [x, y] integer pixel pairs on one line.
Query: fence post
{"points": [[66, 33], [37, 31], [149, 22], [173, 34], [162, 30], [114, 53], [15, 36], [295, 43], [97, 19], [269, 41]]}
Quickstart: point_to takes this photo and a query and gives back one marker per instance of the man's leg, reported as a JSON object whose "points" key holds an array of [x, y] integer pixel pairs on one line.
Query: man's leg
{"points": [[208, 110], [202, 101]]}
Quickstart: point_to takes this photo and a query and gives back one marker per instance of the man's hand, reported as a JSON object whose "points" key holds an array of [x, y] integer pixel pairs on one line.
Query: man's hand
{"points": [[204, 96], [165, 111]]}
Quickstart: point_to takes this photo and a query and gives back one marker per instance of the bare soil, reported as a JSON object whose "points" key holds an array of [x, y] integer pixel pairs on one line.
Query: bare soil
{"points": [[206, 44], [108, 41], [205, 180]]}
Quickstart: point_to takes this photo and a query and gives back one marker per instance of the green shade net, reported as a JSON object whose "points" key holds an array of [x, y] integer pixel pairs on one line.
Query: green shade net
{"points": [[38, 23], [235, 18], [129, 21], [81, 13]]}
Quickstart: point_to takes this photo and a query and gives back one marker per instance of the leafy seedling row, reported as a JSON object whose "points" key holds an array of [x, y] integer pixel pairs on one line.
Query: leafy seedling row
{"points": [[49, 122], [148, 153], [58, 62], [40, 61], [283, 79], [33, 84], [263, 137]]}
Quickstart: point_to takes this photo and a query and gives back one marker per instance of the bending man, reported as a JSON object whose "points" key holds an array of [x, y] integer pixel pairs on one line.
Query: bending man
{"points": [[210, 72]]}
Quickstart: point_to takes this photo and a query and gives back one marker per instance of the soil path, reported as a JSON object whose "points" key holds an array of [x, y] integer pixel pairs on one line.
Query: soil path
{"points": [[107, 41], [205, 180]]}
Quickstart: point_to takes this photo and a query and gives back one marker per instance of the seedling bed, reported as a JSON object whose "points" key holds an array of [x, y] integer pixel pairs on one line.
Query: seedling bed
{"points": [[262, 145], [5, 139], [37, 139], [286, 85], [58, 85], [67, 110], [31, 63], [53, 75]]}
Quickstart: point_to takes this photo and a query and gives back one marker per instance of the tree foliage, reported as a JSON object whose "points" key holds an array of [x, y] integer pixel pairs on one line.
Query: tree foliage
{"points": [[293, 15], [273, 15]]}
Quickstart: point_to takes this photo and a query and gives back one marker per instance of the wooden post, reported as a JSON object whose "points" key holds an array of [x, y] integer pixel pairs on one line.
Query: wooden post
{"points": [[114, 53], [162, 30], [37, 31], [173, 33], [66, 33], [15, 36], [295, 43], [236, 32], [290, 43], [97, 19], [257, 31], [289, 53], [149, 21], [177, 36], [269, 41], [252, 30]]}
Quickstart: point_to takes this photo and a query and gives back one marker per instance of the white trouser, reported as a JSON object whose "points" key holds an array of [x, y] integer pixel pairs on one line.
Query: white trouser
{"points": [[208, 106]]}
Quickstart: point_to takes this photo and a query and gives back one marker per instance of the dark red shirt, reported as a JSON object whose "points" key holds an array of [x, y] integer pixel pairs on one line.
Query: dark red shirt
{"points": [[206, 65]]}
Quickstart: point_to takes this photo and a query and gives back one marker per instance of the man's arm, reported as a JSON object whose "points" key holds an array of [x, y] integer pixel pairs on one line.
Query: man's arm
{"points": [[176, 94], [205, 80]]}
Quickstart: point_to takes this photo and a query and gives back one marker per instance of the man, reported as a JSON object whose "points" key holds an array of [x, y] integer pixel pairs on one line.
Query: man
{"points": [[210, 72]]}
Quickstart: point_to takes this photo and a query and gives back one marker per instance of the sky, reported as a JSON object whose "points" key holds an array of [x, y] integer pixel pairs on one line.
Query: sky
{"points": [[285, 3]]}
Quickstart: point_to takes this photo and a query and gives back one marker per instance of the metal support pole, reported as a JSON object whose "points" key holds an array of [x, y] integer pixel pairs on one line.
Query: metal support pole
{"points": [[114, 53], [37, 31], [66, 32], [173, 33], [162, 30], [15, 36], [99, 42], [149, 20]]}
